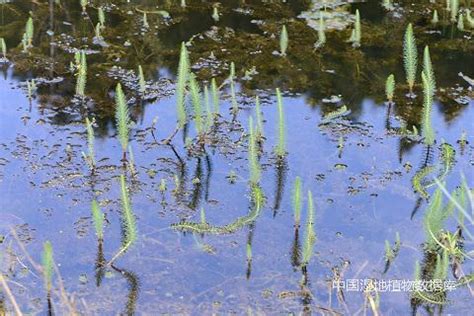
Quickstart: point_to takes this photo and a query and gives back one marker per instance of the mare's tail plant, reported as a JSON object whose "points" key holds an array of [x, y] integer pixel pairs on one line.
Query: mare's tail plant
{"points": [[27, 39], [391, 252], [4, 47], [98, 35], [255, 172], [141, 81], [197, 105], [101, 16], [29, 32], [428, 70], [122, 118], [81, 64], [283, 40], [145, 21], [209, 114], [258, 115], [129, 229], [90, 156], [321, 34], [390, 87], [356, 34], [297, 202], [131, 162], [98, 219], [183, 73], [435, 18], [280, 149], [427, 128], [215, 97], [410, 57], [310, 237], [84, 5], [47, 265], [454, 10], [235, 106], [460, 24], [435, 216], [215, 14]]}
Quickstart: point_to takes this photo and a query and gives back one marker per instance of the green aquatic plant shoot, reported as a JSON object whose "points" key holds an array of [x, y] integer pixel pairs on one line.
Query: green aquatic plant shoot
{"points": [[101, 16], [454, 10], [98, 219], [258, 115], [29, 32], [391, 252], [435, 18], [131, 162], [460, 24], [321, 32], [435, 216], [84, 4], [297, 201], [427, 128], [183, 73], [215, 14], [410, 58], [81, 75], [428, 70], [448, 159], [280, 149], [122, 119], [48, 265], [128, 218], [356, 34], [417, 181], [255, 172], [283, 40], [4, 47], [141, 80], [310, 237], [97, 31], [128, 222], [390, 87], [215, 97], [196, 101], [235, 106], [209, 114], [90, 156], [145, 21]]}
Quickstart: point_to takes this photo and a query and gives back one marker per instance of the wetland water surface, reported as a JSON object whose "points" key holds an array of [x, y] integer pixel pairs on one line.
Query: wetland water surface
{"points": [[203, 240]]}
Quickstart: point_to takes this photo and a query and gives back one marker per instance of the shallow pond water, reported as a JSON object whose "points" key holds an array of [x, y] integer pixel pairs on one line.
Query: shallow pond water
{"points": [[359, 166]]}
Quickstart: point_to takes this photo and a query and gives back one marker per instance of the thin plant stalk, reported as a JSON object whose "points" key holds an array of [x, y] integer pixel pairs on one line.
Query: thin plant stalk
{"points": [[281, 147]]}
